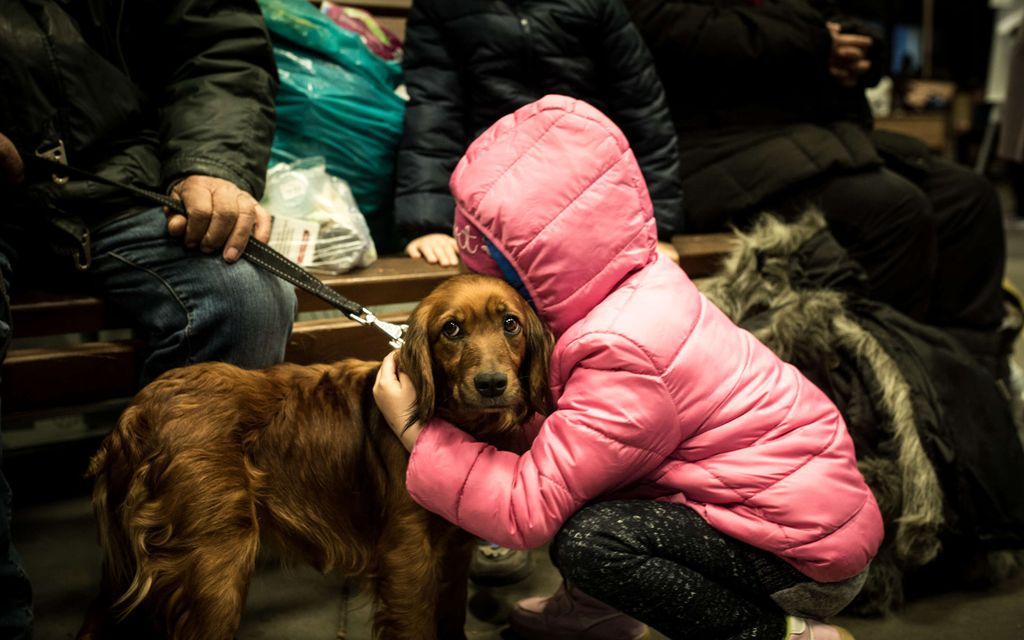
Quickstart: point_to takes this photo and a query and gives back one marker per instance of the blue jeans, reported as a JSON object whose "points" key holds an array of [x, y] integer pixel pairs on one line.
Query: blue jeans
{"points": [[188, 306]]}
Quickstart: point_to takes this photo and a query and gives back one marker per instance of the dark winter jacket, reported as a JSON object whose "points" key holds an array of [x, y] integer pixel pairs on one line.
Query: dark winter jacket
{"points": [[935, 436], [754, 106], [142, 93], [468, 63]]}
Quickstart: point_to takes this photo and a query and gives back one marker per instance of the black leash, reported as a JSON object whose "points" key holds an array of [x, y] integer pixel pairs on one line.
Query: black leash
{"points": [[54, 159]]}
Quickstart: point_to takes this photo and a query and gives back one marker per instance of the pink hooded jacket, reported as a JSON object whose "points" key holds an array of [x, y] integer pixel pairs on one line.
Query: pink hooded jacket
{"points": [[658, 395]]}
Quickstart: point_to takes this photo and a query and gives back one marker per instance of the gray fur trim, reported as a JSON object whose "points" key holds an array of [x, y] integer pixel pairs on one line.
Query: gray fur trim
{"points": [[921, 519], [755, 274]]}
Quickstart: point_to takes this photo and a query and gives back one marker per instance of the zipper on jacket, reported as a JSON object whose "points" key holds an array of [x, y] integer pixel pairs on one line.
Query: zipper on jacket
{"points": [[57, 127]]}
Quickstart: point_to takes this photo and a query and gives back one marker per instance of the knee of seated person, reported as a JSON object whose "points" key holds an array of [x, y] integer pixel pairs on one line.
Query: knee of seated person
{"points": [[908, 206], [270, 304], [866, 211], [982, 196], [255, 311], [903, 220]]}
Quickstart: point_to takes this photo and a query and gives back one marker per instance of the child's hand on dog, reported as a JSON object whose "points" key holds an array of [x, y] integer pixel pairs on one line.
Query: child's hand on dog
{"points": [[395, 396]]}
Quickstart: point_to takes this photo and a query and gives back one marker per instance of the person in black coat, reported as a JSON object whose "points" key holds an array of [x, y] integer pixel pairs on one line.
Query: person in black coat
{"points": [[468, 63], [175, 97], [768, 101]]}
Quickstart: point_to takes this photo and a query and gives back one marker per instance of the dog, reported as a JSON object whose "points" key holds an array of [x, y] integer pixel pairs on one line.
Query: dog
{"points": [[210, 462]]}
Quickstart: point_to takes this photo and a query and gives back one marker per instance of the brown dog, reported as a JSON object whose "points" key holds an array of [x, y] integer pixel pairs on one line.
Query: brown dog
{"points": [[211, 461]]}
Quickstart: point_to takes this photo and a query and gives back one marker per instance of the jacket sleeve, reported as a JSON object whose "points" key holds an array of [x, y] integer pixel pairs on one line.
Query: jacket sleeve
{"points": [[638, 106], [434, 134], [211, 70], [779, 41], [615, 422]]}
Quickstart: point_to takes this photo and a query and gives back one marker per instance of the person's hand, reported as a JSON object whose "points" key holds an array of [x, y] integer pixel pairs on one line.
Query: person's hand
{"points": [[435, 248], [668, 250], [12, 169], [220, 215], [849, 58], [396, 396]]}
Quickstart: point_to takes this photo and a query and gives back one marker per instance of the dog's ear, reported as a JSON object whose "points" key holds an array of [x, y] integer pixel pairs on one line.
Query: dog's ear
{"points": [[415, 360], [539, 343]]}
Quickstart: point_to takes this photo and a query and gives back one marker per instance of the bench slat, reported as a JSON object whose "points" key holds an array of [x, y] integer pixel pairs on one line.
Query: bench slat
{"points": [[36, 313], [39, 379], [389, 280], [315, 341], [701, 255], [45, 379], [400, 7]]}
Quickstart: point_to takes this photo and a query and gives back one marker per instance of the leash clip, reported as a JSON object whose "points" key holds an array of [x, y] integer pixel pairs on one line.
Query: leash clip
{"points": [[390, 329], [54, 153]]}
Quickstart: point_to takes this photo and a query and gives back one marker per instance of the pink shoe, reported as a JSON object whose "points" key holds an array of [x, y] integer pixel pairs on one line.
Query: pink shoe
{"points": [[570, 614], [806, 629]]}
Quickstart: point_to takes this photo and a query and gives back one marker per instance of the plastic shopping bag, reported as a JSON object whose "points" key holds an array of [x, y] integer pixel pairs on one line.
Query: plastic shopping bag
{"points": [[377, 38], [316, 220], [337, 100]]}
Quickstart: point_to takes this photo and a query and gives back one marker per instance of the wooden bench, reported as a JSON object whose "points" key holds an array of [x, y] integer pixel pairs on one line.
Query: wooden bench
{"points": [[89, 370]]}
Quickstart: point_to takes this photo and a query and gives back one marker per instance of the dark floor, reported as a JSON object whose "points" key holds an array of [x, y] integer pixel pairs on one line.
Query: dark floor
{"points": [[55, 534], [56, 540]]}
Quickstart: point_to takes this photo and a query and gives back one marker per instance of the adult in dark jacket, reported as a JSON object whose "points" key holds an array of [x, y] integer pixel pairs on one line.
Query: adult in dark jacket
{"points": [[767, 99], [469, 63], [175, 97]]}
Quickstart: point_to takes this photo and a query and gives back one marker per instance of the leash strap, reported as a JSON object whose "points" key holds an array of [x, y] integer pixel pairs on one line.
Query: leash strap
{"points": [[54, 159]]}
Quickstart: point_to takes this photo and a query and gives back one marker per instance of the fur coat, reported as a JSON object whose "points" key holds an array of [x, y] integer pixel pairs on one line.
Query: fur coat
{"points": [[933, 430]]}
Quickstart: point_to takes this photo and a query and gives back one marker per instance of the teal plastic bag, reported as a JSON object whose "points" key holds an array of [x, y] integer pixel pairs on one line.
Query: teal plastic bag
{"points": [[337, 100]]}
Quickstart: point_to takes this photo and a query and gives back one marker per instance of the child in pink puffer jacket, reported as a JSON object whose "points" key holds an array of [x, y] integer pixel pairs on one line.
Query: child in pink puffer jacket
{"points": [[688, 476]]}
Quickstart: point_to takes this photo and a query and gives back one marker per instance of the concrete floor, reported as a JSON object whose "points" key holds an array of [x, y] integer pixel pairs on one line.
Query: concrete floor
{"points": [[57, 541], [55, 533]]}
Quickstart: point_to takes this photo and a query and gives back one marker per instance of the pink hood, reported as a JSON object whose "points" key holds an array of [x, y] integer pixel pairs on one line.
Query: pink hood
{"points": [[658, 395], [585, 225]]}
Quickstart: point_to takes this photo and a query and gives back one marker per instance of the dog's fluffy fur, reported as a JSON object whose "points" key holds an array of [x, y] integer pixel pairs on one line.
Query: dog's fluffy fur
{"points": [[211, 461]]}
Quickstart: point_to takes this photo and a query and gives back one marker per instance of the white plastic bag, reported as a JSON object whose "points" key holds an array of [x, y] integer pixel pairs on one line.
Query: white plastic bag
{"points": [[316, 220]]}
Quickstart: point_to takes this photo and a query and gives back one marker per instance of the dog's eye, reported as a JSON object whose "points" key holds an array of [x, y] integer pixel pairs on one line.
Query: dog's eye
{"points": [[512, 325], [451, 329]]}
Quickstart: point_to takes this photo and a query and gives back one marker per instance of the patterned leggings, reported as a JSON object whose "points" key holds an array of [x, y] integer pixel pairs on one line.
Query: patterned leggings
{"points": [[663, 564]]}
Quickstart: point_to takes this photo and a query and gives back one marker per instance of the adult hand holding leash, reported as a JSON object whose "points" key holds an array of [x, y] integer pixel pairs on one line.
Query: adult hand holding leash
{"points": [[213, 195], [219, 215]]}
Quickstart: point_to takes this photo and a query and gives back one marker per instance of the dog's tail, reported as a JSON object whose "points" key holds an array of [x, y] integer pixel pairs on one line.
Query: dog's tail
{"points": [[119, 494]]}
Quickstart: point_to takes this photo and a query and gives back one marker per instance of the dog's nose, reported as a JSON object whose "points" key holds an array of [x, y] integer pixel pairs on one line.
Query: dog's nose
{"points": [[490, 385]]}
